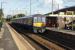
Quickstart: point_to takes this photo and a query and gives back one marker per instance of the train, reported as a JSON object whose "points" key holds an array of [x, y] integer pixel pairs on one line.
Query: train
{"points": [[36, 23]]}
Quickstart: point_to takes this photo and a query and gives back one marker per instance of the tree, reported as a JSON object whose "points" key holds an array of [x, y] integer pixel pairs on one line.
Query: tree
{"points": [[14, 16], [1, 13], [1, 17], [20, 15]]}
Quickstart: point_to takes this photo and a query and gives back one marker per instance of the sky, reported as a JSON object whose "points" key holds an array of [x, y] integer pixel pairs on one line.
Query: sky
{"points": [[12, 7]]}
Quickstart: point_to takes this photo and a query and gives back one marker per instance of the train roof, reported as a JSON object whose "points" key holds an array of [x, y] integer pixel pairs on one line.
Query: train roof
{"points": [[36, 15]]}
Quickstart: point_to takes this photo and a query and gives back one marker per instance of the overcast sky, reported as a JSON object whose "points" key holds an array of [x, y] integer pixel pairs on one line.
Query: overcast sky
{"points": [[37, 6]]}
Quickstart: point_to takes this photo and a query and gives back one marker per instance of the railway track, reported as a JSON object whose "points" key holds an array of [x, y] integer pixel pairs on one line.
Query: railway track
{"points": [[61, 40], [41, 47], [64, 40]]}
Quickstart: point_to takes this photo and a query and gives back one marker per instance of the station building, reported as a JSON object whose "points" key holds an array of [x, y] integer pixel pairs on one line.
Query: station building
{"points": [[65, 16]]}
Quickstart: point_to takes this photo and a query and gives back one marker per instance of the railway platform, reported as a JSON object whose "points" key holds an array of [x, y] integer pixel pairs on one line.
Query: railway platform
{"points": [[10, 41], [6, 40], [70, 32]]}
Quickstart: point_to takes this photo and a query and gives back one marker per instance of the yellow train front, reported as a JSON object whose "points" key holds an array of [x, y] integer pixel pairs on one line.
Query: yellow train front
{"points": [[39, 24]]}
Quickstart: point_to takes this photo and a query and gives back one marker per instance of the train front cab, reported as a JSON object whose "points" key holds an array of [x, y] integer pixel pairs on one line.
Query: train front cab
{"points": [[39, 24]]}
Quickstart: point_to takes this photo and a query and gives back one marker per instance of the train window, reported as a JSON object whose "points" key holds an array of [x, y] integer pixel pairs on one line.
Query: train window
{"points": [[30, 21], [35, 19], [43, 19], [39, 19], [24, 21]]}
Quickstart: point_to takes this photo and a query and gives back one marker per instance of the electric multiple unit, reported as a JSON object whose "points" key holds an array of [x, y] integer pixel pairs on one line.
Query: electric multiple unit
{"points": [[36, 23]]}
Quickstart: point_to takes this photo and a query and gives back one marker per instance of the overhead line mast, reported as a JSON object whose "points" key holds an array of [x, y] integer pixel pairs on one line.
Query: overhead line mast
{"points": [[52, 7], [30, 7]]}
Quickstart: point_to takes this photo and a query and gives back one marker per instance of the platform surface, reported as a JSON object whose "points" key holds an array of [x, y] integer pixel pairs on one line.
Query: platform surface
{"points": [[70, 32], [6, 40]]}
